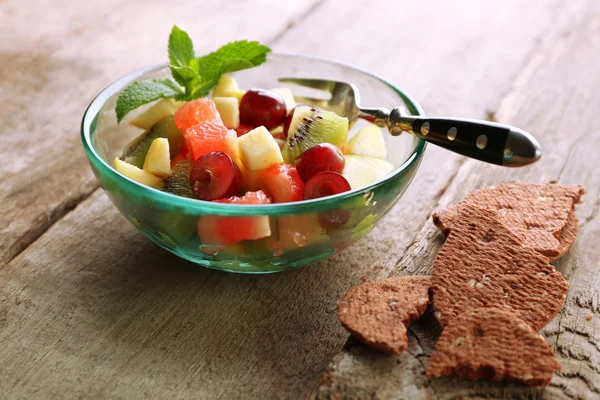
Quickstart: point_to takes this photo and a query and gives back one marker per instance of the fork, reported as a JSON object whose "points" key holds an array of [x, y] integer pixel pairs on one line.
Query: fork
{"points": [[482, 140]]}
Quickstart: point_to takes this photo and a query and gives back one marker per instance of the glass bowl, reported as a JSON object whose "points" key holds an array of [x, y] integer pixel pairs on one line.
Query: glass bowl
{"points": [[297, 237]]}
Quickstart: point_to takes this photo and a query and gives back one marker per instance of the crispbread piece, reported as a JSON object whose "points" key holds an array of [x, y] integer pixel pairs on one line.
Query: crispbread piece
{"points": [[535, 212], [482, 264], [567, 235], [379, 312], [493, 344]]}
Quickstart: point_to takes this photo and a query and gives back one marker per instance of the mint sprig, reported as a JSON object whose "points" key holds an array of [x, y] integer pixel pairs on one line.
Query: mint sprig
{"points": [[143, 92], [195, 77]]}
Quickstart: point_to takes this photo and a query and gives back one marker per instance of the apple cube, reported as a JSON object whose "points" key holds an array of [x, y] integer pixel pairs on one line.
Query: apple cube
{"points": [[226, 86], [259, 150], [381, 166], [238, 94], [288, 97], [158, 158], [360, 171], [229, 110], [137, 174], [368, 142], [152, 115]]}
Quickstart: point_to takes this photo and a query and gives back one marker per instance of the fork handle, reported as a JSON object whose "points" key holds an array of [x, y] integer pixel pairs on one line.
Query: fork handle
{"points": [[485, 141]]}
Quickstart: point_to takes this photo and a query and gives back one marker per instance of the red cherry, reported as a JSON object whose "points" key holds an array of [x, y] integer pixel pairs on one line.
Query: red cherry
{"points": [[288, 121], [243, 129], [333, 218], [262, 107], [325, 184], [215, 176], [320, 158]]}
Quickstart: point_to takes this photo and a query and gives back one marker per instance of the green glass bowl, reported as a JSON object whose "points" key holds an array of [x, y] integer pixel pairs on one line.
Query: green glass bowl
{"points": [[297, 238]]}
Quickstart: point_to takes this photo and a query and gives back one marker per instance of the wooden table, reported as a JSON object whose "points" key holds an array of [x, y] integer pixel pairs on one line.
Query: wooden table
{"points": [[91, 309]]}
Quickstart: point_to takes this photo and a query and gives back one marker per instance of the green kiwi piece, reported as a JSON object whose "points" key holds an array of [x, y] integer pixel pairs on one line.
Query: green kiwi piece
{"points": [[179, 181], [311, 126], [165, 128]]}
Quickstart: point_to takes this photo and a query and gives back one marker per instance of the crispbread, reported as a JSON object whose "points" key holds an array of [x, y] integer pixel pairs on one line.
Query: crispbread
{"points": [[379, 312], [567, 235], [535, 212], [482, 264], [493, 344]]}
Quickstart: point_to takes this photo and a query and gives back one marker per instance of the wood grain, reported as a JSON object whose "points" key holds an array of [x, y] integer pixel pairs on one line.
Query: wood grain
{"points": [[51, 73], [553, 93], [92, 309]]}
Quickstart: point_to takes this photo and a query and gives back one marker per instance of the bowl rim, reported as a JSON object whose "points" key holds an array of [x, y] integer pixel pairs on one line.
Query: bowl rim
{"points": [[91, 114]]}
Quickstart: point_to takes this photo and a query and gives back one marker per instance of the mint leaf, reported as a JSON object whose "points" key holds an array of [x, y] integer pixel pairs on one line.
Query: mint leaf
{"points": [[197, 75], [181, 52], [187, 76], [181, 48], [242, 54], [232, 57], [143, 92]]}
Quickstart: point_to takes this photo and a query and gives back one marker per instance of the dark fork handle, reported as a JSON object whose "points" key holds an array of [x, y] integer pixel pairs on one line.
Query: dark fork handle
{"points": [[485, 141]]}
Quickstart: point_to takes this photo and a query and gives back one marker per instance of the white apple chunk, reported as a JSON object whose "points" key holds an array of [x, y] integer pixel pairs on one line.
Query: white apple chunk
{"points": [[158, 158], [229, 110], [259, 150], [137, 174], [361, 171], [152, 115], [368, 142], [288, 97], [357, 173]]}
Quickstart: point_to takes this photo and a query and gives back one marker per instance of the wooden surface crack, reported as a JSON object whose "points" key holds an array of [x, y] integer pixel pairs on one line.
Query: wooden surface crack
{"points": [[292, 23], [45, 222]]}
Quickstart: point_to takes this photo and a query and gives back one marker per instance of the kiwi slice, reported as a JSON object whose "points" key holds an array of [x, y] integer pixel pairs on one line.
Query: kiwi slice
{"points": [[165, 128], [179, 181], [311, 126]]}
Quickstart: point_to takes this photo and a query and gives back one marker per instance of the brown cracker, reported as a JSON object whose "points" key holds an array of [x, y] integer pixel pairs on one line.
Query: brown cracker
{"points": [[493, 344], [482, 264], [535, 212], [567, 235], [379, 312]]}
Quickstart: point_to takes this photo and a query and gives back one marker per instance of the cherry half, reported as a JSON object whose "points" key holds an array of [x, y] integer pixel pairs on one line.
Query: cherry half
{"points": [[325, 184], [262, 107], [243, 129], [215, 176], [320, 158]]}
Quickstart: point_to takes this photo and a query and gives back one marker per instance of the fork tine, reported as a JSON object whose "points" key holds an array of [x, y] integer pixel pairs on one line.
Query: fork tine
{"points": [[310, 101], [319, 84]]}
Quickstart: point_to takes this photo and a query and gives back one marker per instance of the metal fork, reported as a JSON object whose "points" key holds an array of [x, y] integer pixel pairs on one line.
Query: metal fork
{"points": [[482, 140]]}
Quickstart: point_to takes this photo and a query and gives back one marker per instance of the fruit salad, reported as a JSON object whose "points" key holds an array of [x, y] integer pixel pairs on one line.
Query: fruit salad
{"points": [[207, 139], [252, 147]]}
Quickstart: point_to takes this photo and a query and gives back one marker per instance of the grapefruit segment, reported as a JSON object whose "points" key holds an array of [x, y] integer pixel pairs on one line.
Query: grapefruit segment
{"points": [[281, 181], [215, 230], [211, 136], [196, 112]]}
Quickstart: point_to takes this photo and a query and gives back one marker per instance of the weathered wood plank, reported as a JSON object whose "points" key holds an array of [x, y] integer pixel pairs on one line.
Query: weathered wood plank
{"points": [[92, 308], [552, 97], [55, 56], [453, 67]]}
